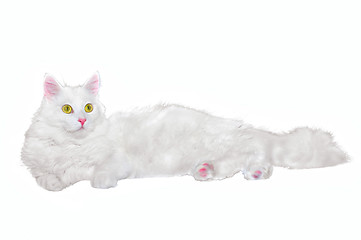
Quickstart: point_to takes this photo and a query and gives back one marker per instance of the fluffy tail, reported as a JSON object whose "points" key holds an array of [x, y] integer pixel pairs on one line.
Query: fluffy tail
{"points": [[306, 148]]}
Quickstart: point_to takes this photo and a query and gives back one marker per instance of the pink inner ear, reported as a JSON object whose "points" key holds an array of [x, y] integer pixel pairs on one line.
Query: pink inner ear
{"points": [[93, 84], [51, 87]]}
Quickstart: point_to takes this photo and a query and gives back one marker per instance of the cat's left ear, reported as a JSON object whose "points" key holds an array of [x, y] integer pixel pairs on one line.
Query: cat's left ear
{"points": [[93, 83]]}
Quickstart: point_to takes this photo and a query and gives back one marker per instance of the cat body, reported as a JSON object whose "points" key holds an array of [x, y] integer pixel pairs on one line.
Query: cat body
{"points": [[70, 140]]}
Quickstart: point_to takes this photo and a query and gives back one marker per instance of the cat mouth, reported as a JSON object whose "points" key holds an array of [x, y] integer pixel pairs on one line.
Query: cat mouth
{"points": [[81, 129]]}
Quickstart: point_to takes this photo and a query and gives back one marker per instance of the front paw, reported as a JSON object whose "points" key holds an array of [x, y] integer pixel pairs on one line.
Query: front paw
{"points": [[50, 182], [103, 181]]}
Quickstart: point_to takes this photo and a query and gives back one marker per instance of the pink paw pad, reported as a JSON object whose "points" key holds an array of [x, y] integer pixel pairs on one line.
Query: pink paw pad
{"points": [[210, 166], [204, 171], [257, 174]]}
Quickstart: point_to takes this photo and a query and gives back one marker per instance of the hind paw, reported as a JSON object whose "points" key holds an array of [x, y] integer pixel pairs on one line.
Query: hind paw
{"points": [[257, 173], [203, 172]]}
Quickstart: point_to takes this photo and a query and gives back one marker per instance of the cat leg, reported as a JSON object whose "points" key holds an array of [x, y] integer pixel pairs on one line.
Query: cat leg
{"points": [[76, 174], [104, 180], [58, 179], [51, 182], [108, 173], [218, 169], [257, 172], [204, 171]]}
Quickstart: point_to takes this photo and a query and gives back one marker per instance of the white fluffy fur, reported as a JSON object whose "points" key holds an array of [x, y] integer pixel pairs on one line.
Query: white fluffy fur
{"points": [[165, 140]]}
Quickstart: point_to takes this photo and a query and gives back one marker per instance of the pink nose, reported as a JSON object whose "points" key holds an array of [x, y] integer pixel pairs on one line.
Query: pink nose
{"points": [[82, 121]]}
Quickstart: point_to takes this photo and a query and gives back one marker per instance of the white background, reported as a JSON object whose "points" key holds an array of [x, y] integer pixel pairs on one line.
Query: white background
{"points": [[275, 64]]}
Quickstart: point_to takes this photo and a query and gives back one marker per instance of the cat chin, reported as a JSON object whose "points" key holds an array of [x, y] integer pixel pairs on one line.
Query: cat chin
{"points": [[81, 133]]}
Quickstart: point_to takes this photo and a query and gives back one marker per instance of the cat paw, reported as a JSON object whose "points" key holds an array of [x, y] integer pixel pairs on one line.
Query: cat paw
{"points": [[50, 182], [103, 181], [257, 173], [203, 172]]}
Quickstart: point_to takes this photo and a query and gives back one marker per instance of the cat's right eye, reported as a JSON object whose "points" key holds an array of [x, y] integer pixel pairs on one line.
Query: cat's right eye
{"points": [[67, 109]]}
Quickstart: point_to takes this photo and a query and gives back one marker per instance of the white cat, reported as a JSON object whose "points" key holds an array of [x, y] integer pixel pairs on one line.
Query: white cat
{"points": [[70, 139]]}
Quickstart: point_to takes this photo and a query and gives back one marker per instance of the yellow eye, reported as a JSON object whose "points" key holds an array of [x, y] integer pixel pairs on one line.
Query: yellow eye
{"points": [[67, 109], [88, 108]]}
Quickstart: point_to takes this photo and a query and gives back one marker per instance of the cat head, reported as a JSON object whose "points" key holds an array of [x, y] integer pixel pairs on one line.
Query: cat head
{"points": [[75, 110]]}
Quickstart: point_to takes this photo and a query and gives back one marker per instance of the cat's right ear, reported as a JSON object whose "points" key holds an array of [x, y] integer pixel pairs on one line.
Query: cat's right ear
{"points": [[51, 86]]}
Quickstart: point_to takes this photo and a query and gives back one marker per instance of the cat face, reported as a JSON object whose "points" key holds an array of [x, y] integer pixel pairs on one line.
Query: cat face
{"points": [[75, 110]]}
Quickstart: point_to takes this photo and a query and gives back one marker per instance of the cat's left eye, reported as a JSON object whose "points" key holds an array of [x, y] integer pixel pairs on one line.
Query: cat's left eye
{"points": [[88, 108]]}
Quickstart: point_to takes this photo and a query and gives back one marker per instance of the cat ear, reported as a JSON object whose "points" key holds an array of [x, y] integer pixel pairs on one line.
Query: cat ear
{"points": [[93, 83], [51, 86]]}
